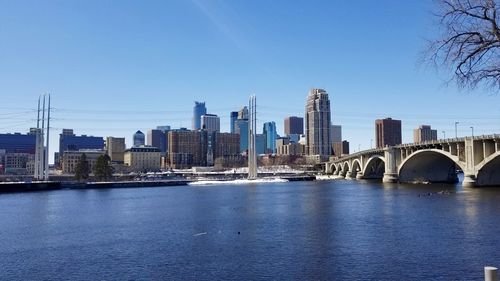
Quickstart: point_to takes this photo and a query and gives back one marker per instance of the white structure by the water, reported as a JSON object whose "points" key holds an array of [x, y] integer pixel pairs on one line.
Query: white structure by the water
{"points": [[41, 151], [239, 181], [252, 128]]}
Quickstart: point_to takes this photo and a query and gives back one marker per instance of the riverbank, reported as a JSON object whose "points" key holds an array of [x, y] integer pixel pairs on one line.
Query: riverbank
{"points": [[8, 187]]}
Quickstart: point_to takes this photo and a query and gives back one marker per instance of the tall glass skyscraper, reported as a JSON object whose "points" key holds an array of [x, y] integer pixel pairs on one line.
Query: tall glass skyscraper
{"points": [[260, 143], [241, 128], [139, 138], [199, 109], [243, 113], [318, 124], [270, 134], [232, 118]]}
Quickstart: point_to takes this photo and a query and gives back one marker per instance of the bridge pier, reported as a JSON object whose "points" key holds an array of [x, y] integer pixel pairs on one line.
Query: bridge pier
{"points": [[348, 175], [390, 177], [328, 168], [469, 181], [359, 175], [470, 163], [391, 170]]}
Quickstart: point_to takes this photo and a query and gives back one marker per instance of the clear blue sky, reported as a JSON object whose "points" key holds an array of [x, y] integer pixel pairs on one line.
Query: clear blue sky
{"points": [[114, 67]]}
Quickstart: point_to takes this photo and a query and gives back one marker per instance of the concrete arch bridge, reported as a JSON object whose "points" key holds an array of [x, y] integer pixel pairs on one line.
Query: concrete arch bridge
{"points": [[433, 161]]}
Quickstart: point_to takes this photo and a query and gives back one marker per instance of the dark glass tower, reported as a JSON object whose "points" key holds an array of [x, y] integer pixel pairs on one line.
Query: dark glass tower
{"points": [[270, 134], [199, 109], [232, 118], [139, 138]]}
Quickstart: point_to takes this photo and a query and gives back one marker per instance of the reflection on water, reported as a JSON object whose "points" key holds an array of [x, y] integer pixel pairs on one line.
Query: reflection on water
{"points": [[343, 230]]}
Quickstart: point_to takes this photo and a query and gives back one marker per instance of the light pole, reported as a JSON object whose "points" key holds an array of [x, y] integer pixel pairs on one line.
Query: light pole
{"points": [[456, 123], [472, 128], [444, 135]]}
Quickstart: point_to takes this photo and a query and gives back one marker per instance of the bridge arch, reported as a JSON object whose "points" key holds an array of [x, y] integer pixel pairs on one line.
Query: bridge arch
{"points": [[374, 167], [355, 167], [429, 165], [335, 167], [488, 172], [345, 167], [334, 170], [330, 168]]}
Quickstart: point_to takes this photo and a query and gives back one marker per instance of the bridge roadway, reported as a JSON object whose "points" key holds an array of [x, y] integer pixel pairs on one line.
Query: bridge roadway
{"points": [[432, 161]]}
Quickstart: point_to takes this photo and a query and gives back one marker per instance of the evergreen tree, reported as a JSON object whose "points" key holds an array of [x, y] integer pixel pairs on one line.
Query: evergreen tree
{"points": [[102, 169], [82, 168]]}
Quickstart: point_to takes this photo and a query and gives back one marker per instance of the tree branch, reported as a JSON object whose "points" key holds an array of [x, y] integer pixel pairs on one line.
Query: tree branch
{"points": [[470, 43]]}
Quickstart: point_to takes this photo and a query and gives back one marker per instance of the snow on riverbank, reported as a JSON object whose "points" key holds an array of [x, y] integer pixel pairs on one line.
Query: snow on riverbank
{"points": [[239, 181]]}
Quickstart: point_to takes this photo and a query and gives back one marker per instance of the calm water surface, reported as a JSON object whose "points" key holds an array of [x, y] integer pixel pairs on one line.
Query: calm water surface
{"points": [[325, 230]]}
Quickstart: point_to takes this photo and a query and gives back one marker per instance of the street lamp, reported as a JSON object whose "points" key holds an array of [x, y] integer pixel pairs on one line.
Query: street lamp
{"points": [[456, 123], [472, 128], [444, 135]]}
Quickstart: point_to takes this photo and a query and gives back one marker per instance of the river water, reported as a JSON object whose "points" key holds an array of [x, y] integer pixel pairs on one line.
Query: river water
{"points": [[323, 230]]}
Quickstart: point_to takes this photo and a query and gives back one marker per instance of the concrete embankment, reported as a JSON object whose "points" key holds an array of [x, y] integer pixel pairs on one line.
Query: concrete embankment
{"points": [[6, 187], [9, 187], [300, 178], [131, 184]]}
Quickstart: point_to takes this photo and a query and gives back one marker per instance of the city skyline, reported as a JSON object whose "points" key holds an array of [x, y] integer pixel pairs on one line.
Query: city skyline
{"points": [[110, 77], [249, 140]]}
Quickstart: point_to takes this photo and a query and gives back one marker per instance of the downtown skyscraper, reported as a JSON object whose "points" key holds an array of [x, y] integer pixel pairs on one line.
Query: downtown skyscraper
{"points": [[199, 109], [387, 132], [233, 116], [139, 138], [210, 122], [318, 124], [294, 125], [424, 133], [269, 131]]}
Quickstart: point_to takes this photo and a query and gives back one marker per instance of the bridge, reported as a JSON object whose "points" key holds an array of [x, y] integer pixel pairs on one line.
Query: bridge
{"points": [[432, 161]]}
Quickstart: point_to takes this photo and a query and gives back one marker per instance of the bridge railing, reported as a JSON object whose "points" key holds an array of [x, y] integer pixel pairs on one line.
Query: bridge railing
{"points": [[483, 137], [359, 153], [431, 142]]}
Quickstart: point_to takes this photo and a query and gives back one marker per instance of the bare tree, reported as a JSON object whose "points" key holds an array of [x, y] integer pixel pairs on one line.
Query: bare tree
{"points": [[470, 43]]}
